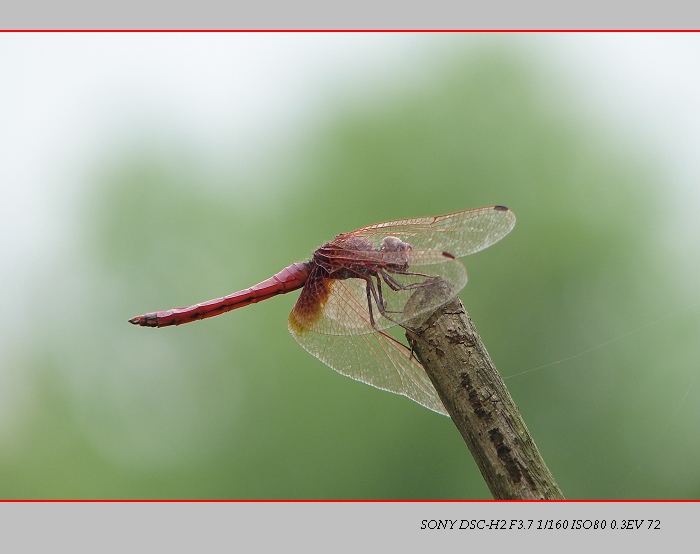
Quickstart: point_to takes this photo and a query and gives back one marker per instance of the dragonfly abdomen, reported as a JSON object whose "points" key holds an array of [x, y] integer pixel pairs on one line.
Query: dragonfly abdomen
{"points": [[290, 278]]}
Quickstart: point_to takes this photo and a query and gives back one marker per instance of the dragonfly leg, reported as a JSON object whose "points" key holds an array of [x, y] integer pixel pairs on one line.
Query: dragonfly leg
{"points": [[403, 272], [395, 285], [376, 293], [370, 293], [381, 296]]}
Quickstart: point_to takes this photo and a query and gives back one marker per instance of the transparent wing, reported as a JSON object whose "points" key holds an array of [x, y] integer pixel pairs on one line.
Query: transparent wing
{"points": [[460, 233], [373, 358], [342, 307]]}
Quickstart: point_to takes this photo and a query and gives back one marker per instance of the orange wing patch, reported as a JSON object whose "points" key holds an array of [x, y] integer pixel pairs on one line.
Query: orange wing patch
{"points": [[310, 304]]}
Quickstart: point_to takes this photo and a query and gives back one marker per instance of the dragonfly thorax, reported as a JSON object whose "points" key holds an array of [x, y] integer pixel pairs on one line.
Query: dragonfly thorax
{"points": [[348, 257]]}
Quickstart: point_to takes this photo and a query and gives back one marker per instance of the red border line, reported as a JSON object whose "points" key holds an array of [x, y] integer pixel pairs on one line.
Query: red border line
{"points": [[349, 30]]}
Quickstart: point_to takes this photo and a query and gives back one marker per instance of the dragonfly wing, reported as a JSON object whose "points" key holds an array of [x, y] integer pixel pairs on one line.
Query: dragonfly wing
{"points": [[332, 307], [373, 358], [460, 233], [342, 307]]}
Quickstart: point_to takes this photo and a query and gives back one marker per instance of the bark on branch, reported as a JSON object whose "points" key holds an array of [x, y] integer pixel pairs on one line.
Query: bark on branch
{"points": [[481, 407]]}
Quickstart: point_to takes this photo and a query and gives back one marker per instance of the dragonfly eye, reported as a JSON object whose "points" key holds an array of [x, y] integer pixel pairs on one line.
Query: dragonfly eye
{"points": [[397, 252], [393, 244]]}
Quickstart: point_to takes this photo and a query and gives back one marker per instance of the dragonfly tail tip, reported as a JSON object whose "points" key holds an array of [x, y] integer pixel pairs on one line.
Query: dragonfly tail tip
{"points": [[148, 320], [138, 320]]}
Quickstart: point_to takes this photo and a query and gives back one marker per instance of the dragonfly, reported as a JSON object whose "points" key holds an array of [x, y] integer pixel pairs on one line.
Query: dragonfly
{"points": [[360, 284]]}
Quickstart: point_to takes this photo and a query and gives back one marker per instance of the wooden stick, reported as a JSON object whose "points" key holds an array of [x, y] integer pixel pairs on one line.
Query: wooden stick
{"points": [[480, 405]]}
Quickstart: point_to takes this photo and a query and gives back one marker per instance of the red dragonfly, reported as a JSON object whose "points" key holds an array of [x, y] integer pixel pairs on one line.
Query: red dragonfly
{"points": [[358, 285]]}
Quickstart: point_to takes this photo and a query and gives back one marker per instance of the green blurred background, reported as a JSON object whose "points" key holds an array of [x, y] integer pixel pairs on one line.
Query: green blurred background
{"points": [[144, 172]]}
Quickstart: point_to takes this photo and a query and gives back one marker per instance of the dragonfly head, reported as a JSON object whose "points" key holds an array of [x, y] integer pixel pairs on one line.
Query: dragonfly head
{"points": [[396, 253]]}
